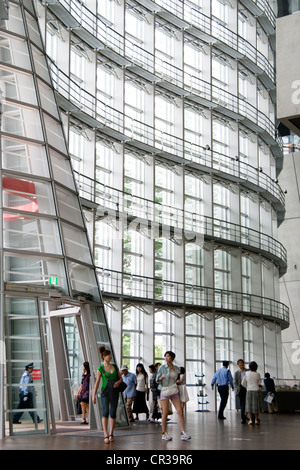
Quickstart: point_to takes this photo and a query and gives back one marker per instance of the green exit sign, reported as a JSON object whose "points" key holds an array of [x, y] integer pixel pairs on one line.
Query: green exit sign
{"points": [[53, 281]]}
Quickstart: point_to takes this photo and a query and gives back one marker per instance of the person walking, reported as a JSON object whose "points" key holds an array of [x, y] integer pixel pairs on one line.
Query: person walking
{"points": [[223, 378], [83, 394], [26, 396], [240, 391], [111, 379], [167, 378], [252, 382], [130, 392]]}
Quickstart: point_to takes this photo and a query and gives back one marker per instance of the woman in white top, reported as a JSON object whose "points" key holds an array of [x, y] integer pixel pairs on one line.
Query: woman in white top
{"points": [[139, 404], [252, 382]]}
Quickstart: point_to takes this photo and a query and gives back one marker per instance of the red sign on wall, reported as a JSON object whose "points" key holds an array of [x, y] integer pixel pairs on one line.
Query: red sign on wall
{"points": [[36, 374]]}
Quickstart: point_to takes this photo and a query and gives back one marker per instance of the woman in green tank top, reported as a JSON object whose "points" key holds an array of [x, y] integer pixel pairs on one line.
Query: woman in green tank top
{"points": [[111, 379]]}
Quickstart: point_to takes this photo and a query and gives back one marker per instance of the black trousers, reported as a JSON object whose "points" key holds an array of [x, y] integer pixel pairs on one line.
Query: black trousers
{"points": [[242, 397], [224, 393], [23, 405]]}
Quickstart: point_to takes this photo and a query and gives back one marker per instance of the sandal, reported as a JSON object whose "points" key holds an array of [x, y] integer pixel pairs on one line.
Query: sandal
{"points": [[111, 438], [106, 440]]}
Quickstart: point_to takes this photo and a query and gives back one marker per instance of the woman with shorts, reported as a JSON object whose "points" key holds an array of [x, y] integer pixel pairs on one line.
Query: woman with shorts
{"points": [[167, 375]]}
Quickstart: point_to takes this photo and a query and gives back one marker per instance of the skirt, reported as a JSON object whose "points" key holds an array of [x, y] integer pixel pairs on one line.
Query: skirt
{"points": [[139, 404], [254, 401]]}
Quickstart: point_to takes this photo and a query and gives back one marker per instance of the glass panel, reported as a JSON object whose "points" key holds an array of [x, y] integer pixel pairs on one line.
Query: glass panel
{"points": [[29, 196], [101, 332], [75, 356], [131, 345], [162, 343], [55, 134], [83, 281], [15, 21], [17, 86], [24, 157], [40, 64], [14, 51], [47, 99], [33, 31], [69, 208], [62, 169], [22, 121], [76, 245], [23, 347], [32, 274], [31, 233]]}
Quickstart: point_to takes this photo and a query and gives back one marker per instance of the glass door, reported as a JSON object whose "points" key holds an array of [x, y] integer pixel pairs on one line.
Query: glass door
{"points": [[25, 409]]}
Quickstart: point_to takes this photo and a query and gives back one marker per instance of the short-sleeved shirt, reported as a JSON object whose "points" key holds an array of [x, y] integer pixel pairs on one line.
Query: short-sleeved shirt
{"points": [[130, 380], [107, 375]]}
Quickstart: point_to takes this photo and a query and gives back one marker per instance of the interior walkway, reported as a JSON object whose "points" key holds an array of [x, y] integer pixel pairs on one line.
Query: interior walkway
{"points": [[276, 432]]}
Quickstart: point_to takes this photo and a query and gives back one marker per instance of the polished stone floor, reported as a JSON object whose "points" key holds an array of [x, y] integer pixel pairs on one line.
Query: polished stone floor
{"points": [[275, 432]]}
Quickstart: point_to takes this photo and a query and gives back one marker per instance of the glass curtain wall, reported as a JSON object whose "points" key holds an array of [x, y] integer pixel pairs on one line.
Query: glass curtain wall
{"points": [[45, 249], [169, 113]]}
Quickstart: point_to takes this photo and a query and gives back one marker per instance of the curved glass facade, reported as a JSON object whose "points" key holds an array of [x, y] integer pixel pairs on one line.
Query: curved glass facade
{"points": [[168, 110]]}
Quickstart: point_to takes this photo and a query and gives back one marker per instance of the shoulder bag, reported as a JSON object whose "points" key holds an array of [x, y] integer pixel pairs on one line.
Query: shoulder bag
{"points": [[120, 387], [170, 390]]}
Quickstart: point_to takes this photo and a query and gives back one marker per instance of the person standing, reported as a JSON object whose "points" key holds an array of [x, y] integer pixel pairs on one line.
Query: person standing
{"points": [[111, 379], [271, 391], [130, 392], [140, 405], [167, 377], [84, 392], [239, 389], [223, 378], [26, 396], [252, 382]]}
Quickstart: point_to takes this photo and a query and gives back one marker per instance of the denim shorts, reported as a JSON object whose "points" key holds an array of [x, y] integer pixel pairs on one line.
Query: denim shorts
{"points": [[170, 397], [109, 400]]}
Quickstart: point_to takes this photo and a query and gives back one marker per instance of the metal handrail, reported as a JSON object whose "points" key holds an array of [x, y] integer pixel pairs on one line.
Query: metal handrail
{"points": [[117, 202], [105, 115], [114, 283], [137, 55]]}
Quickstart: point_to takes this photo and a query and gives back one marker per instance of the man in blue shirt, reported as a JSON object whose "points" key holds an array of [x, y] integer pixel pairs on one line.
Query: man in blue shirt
{"points": [[130, 392], [223, 378], [26, 396]]}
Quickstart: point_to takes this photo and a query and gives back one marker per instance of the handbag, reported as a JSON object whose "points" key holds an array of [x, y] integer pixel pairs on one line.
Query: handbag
{"points": [[121, 387], [170, 390]]}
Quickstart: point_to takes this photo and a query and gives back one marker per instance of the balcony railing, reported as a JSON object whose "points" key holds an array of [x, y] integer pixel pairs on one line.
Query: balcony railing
{"points": [[133, 53], [135, 287], [115, 203], [210, 26], [155, 141]]}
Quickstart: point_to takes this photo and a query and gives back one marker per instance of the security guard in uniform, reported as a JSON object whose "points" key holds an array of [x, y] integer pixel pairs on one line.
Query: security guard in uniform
{"points": [[26, 396]]}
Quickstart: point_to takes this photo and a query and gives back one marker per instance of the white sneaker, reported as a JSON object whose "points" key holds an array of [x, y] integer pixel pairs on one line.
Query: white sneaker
{"points": [[166, 437], [185, 436]]}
